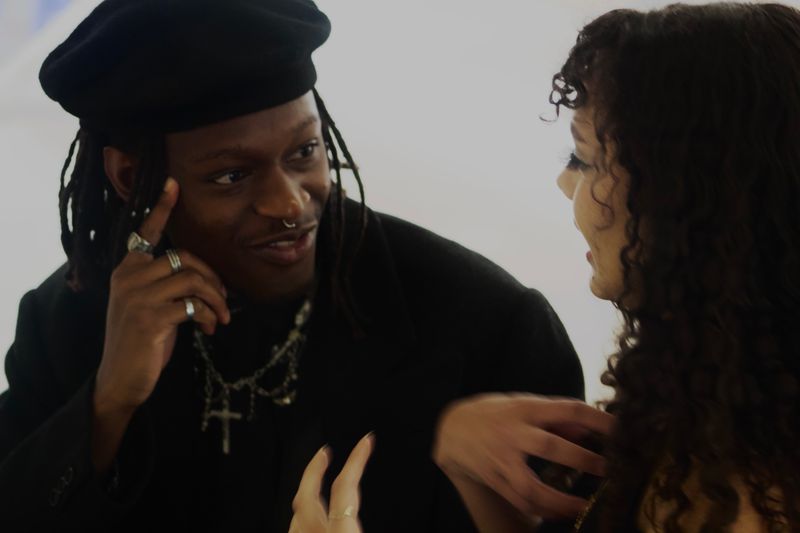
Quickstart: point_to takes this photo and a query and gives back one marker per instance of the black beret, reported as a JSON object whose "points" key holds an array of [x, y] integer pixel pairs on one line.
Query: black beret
{"points": [[173, 65]]}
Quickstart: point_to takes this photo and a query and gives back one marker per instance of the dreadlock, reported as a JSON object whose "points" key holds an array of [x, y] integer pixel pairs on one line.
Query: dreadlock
{"points": [[95, 221]]}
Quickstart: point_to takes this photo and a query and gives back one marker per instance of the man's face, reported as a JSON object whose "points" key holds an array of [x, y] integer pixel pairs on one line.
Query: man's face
{"points": [[239, 181]]}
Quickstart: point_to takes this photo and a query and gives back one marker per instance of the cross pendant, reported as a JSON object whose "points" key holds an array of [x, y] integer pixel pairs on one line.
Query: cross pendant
{"points": [[225, 416]]}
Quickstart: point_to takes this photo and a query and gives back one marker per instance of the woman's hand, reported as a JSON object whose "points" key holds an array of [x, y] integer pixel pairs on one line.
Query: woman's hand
{"points": [[488, 438], [311, 514]]}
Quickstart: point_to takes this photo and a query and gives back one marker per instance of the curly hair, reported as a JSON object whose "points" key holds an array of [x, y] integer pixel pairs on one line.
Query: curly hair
{"points": [[95, 221], [702, 107]]}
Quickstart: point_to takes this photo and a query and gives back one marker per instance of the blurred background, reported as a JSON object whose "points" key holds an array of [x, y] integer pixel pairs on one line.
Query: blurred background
{"points": [[441, 102]]}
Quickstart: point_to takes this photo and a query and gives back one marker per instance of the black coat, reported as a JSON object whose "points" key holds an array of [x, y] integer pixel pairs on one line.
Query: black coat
{"points": [[442, 323]]}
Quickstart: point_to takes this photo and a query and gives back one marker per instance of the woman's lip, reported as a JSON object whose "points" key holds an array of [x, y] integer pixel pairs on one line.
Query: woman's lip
{"points": [[289, 255], [589, 256]]}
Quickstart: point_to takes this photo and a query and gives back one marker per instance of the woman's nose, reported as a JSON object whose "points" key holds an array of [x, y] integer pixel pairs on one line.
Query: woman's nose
{"points": [[566, 182]]}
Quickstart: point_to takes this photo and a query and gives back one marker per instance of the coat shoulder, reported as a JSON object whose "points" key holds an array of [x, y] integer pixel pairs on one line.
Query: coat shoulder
{"points": [[444, 267], [58, 328]]}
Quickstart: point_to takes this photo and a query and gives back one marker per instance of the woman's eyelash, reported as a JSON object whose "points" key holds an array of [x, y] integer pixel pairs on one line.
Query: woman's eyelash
{"points": [[574, 163]]}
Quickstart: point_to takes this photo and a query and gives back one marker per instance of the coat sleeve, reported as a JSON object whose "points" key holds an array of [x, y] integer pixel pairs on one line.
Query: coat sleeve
{"points": [[47, 480], [530, 351], [535, 355]]}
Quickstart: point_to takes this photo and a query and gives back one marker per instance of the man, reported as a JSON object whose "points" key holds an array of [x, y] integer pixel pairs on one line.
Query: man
{"points": [[213, 330]]}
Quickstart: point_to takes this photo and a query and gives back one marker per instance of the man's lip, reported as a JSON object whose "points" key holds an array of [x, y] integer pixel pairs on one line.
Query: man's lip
{"points": [[297, 251], [291, 235]]}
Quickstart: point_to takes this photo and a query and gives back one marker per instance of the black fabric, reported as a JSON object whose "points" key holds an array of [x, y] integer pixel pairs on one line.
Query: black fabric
{"points": [[173, 65], [441, 322]]}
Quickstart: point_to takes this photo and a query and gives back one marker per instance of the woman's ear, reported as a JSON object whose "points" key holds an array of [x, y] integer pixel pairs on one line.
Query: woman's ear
{"points": [[120, 169]]}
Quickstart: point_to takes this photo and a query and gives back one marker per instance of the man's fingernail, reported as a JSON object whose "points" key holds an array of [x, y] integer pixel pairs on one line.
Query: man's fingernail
{"points": [[169, 184]]}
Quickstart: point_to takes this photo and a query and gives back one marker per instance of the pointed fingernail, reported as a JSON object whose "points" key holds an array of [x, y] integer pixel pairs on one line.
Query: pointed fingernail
{"points": [[326, 451]]}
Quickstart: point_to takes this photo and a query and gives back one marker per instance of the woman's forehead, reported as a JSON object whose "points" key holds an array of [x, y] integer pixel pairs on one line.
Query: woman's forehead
{"points": [[582, 126]]}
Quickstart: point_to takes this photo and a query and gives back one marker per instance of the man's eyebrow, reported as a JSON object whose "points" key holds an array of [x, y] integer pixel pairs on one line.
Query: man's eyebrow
{"points": [[228, 151], [308, 121], [241, 151]]}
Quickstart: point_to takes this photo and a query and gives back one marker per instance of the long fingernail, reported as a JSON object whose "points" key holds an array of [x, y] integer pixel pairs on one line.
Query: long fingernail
{"points": [[326, 451]]}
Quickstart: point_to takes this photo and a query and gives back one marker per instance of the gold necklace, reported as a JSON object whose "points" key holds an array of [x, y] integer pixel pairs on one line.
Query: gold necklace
{"points": [[588, 509]]}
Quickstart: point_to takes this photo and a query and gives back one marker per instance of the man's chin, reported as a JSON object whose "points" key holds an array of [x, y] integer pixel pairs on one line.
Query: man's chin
{"points": [[281, 284]]}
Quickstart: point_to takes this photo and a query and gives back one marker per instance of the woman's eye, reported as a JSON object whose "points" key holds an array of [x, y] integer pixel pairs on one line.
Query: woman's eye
{"points": [[573, 163], [229, 178]]}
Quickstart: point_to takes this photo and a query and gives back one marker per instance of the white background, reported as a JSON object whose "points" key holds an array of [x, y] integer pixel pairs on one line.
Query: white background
{"points": [[440, 102]]}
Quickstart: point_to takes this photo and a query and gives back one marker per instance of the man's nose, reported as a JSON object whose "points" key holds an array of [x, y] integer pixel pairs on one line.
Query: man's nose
{"points": [[280, 196]]}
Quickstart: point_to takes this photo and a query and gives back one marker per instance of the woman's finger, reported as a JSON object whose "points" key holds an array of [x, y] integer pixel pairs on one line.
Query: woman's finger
{"points": [[500, 484], [550, 503], [308, 501], [345, 498], [543, 412], [545, 445]]}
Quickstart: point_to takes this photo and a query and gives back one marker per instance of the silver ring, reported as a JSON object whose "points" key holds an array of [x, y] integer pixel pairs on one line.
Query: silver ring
{"points": [[189, 308], [137, 243], [174, 261], [288, 225]]}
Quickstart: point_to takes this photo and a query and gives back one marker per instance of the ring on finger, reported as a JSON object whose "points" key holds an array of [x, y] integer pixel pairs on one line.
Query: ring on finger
{"points": [[189, 308], [349, 512], [137, 243], [174, 261]]}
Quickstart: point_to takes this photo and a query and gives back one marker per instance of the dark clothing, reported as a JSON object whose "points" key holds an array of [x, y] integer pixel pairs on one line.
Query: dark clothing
{"points": [[441, 322], [180, 77]]}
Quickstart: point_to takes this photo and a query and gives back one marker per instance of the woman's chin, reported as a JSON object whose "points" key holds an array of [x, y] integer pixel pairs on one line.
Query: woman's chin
{"points": [[599, 288]]}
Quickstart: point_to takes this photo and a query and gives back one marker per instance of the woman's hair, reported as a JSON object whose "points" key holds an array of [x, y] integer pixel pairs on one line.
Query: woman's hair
{"points": [[95, 221], [701, 105]]}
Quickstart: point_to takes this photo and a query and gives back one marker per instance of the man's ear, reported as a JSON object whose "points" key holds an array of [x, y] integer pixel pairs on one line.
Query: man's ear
{"points": [[120, 169]]}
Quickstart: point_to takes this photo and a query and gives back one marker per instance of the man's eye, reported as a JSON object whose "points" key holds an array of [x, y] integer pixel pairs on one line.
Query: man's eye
{"points": [[306, 151], [229, 178]]}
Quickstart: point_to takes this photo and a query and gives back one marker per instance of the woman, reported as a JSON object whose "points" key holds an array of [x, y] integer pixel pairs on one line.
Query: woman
{"points": [[685, 182]]}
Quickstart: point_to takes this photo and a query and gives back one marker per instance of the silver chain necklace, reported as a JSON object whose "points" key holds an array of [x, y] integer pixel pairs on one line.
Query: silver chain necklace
{"points": [[218, 391]]}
